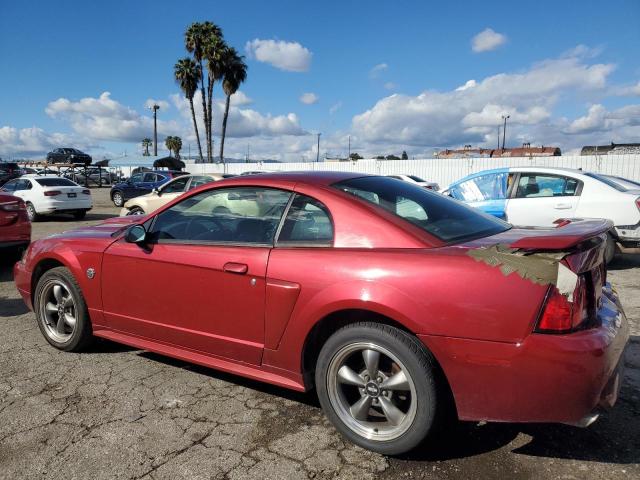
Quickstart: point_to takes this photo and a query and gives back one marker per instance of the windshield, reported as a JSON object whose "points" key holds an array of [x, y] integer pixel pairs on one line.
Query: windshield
{"points": [[415, 179], [624, 182], [442, 217], [56, 182]]}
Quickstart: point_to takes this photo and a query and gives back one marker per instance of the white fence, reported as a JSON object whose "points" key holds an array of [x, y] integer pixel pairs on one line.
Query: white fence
{"points": [[443, 170]]}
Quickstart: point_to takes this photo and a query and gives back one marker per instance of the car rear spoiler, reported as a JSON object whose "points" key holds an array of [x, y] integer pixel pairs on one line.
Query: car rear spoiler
{"points": [[568, 233]]}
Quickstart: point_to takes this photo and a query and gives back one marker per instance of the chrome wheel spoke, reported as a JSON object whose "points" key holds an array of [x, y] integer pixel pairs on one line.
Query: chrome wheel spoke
{"points": [[371, 360], [57, 293], [51, 308], [349, 377], [70, 320], [394, 414], [360, 409], [60, 325], [396, 382], [68, 301]]}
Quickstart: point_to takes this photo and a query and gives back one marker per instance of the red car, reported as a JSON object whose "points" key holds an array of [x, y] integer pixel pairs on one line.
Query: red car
{"points": [[15, 227], [396, 303]]}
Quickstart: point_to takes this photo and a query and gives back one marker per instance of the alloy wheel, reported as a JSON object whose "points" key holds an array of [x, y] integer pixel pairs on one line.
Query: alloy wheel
{"points": [[371, 391], [58, 311]]}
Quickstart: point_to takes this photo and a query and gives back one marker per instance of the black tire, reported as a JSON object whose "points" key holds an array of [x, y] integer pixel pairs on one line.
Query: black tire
{"points": [[80, 214], [31, 212], [136, 211], [416, 361], [610, 249], [82, 334], [117, 198]]}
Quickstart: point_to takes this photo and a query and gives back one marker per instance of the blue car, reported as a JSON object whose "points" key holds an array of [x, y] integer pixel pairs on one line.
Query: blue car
{"points": [[140, 184]]}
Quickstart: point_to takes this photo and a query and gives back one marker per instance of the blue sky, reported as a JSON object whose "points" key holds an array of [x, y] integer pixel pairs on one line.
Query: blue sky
{"points": [[567, 72]]}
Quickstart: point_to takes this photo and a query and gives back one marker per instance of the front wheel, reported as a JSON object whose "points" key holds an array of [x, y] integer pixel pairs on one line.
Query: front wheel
{"points": [[609, 249], [61, 311], [378, 386], [136, 211]]}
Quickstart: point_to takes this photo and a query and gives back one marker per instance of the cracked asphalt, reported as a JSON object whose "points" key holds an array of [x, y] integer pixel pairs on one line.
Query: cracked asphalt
{"points": [[116, 412]]}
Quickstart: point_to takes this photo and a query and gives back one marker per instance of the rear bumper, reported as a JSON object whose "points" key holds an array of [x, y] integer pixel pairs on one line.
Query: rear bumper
{"points": [[60, 206], [546, 378]]}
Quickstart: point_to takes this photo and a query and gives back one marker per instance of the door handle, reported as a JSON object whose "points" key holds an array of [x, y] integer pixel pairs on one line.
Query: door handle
{"points": [[562, 206], [233, 267]]}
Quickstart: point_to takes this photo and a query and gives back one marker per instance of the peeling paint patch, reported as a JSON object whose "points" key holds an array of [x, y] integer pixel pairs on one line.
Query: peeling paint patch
{"points": [[540, 268]]}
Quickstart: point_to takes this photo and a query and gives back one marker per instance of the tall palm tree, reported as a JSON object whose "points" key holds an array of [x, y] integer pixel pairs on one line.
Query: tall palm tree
{"points": [[235, 73], [169, 143], [188, 73], [146, 143], [213, 51], [198, 38], [177, 146]]}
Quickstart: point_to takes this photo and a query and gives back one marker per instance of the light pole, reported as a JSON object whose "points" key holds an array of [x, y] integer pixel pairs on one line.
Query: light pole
{"points": [[349, 156], [504, 131], [318, 152], [155, 109]]}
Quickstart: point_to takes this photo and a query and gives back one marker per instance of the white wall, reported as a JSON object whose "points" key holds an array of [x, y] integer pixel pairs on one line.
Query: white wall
{"points": [[444, 171]]}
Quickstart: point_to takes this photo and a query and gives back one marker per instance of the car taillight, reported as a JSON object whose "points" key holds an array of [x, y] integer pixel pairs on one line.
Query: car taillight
{"points": [[561, 315], [86, 192], [52, 193], [12, 206], [638, 203]]}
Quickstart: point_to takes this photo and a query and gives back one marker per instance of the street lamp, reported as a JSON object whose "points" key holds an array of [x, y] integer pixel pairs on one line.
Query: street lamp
{"points": [[155, 108], [504, 131], [318, 152]]}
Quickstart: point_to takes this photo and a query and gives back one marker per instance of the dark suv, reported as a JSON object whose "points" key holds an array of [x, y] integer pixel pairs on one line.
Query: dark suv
{"points": [[140, 184], [68, 155], [9, 171]]}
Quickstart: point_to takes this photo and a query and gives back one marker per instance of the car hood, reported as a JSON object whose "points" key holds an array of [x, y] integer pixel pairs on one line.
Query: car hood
{"points": [[106, 229]]}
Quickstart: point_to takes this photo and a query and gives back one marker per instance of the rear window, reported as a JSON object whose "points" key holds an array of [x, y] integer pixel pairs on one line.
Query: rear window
{"points": [[56, 182], [607, 181], [440, 216]]}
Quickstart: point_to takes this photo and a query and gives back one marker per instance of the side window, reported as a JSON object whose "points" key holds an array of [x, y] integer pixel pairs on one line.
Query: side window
{"points": [[199, 180], [176, 186], [22, 185], [532, 185], [10, 186], [492, 186], [136, 178], [246, 215], [149, 177], [308, 223]]}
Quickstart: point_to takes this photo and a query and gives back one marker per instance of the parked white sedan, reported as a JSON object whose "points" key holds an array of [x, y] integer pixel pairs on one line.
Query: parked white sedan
{"points": [[539, 196], [45, 195]]}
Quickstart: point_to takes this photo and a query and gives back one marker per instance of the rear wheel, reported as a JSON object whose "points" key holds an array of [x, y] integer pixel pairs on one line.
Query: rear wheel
{"points": [[61, 311], [377, 384], [79, 215], [610, 249], [118, 199], [31, 212]]}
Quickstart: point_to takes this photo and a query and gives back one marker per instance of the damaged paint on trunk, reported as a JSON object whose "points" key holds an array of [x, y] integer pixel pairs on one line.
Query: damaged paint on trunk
{"points": [[545, 268]]}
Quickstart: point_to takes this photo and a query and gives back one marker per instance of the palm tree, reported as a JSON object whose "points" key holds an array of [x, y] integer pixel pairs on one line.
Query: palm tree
{"points": [[169, 143], [213, 50], [146, 143], [235, 73], [177, 146], [199, 38], [188, 73]]}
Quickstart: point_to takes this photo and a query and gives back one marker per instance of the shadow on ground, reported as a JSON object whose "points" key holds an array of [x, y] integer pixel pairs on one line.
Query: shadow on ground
{"points": [[70, 219]]}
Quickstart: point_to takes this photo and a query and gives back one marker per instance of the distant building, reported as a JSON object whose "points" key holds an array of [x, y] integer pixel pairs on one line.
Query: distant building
{"points": [[613, 149], [525, 151]]}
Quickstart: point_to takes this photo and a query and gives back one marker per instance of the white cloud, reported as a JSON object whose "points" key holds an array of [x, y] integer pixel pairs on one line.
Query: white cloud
{"points": [[599, 119], [289, 56], [309, 98], [378, 69], [390, 86], [628, 90], [469, 84], [487, 40], [242, 122], [240, 98], [335, 107], [104, 119], [31, 141], [471, 113], [163, 104]]}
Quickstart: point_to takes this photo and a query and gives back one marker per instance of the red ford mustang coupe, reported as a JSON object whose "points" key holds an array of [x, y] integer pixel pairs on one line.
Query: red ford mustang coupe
{"points": [[396, 303]]}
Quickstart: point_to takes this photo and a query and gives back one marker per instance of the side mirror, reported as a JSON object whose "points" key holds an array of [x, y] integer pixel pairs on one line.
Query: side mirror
{"points": [[157, 191], [136, 234]]}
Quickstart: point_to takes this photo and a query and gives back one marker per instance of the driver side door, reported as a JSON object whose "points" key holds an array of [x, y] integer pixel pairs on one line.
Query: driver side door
{"points": [[199, 282]]}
